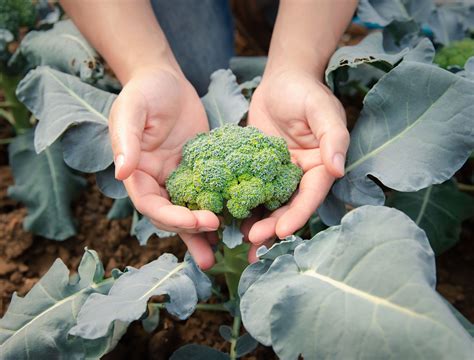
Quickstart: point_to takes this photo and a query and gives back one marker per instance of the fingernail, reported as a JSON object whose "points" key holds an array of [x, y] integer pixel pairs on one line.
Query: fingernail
{"points": [[205, 229], [338, 161], [119, 160]]}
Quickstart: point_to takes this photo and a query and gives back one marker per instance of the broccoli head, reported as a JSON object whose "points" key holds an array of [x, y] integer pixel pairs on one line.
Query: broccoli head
{"points": [[455, 54], [234, 167], [16, 13]]}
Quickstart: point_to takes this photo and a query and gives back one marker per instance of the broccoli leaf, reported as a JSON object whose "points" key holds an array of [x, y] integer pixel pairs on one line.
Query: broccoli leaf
{"points": [[143, 229], [224, 102], [232, 236], [245, 345], [109, 185], [266, 256], [464, 322], [61, 101], [120, 209], [382, 12], [63, 48], [447, 24], [332, 210], [128, 297], [439, 210], [36, 325], [371, 51], [46, 186], [247, 68], [327, 297], [198, 352], [413, 119]]}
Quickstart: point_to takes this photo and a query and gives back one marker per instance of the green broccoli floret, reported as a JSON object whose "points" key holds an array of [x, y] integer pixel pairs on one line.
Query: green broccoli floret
{"points": [[455, 54], [233, 167], [17, 13]]}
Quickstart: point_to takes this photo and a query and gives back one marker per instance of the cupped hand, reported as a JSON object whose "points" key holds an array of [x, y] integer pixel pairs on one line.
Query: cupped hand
{"points": [[297, 106], [156, 113]]}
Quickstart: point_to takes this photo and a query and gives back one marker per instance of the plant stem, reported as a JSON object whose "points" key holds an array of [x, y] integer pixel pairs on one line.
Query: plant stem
{"points": [[235, 337], [6, 141], [204, 307], [466, 187]]}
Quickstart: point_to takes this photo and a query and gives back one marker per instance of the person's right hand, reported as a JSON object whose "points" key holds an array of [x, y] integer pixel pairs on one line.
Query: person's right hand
{"points": [[156, 113]]}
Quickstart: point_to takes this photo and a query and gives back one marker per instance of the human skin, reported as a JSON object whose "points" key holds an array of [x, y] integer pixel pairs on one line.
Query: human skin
{"points": [[158, 111]]}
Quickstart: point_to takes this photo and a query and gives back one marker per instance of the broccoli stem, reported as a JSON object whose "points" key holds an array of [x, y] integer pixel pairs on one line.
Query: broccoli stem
{"points": [[235, 336]]}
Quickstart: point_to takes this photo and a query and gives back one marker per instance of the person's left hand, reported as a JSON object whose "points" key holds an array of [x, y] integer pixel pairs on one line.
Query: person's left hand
{"points": [[297, 106]]}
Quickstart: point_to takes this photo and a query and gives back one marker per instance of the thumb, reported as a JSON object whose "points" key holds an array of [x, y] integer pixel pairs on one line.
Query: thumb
{"points": [[126, 124], [328, 123]]}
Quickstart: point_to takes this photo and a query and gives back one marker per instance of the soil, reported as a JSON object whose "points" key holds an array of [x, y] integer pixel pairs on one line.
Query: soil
{"points": [[25, 258]]}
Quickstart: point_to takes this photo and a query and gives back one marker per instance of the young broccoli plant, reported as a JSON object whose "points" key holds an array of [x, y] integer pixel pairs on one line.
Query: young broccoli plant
{"points": [[234, 169], [456, 54]]}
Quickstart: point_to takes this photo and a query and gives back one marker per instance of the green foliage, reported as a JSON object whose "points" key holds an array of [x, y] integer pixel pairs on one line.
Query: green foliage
{"points": [[16, 13], [49, 193], [455, 54], [235, 167]]}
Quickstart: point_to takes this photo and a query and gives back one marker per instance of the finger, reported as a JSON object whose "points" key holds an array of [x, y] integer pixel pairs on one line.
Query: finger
{"points": [[144, 192], [307, 159], [127, 121], [252, 254], [200, 249], [206, 220], [248, 223], [314, 187], [327, 120], [264, 229]]}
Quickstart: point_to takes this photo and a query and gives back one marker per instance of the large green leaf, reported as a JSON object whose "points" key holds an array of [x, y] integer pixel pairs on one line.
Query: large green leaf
{"points": [[362, 290], [36, 326], [126, 301], [46, 186], [198, 352], [382, 12], [63, 48], [439, 210], [224, 102], [416, 129], [61, 102], [371, 50]]}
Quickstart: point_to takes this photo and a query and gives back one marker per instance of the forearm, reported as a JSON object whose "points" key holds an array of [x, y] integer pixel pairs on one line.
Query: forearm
{"points": [[307, 33], [126, 33]]}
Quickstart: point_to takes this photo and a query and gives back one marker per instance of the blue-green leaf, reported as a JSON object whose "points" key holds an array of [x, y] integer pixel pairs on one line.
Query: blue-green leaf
{"points": [[143, 229], [109, 185], [120, 209], [232, 236], [36, 326], [224, 102], [198, 352], [46, 186], [417, 118], [247, 68], [364, 289], [61, 101], [371, 51], [245, 345], [447, 24], [63, 48], [382, 12], [151, 322], [439, 210], [128, 297]]}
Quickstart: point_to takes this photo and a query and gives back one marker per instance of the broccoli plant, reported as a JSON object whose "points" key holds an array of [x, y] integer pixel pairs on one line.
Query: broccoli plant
{"points": [[313, 296], [455, 54]]}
